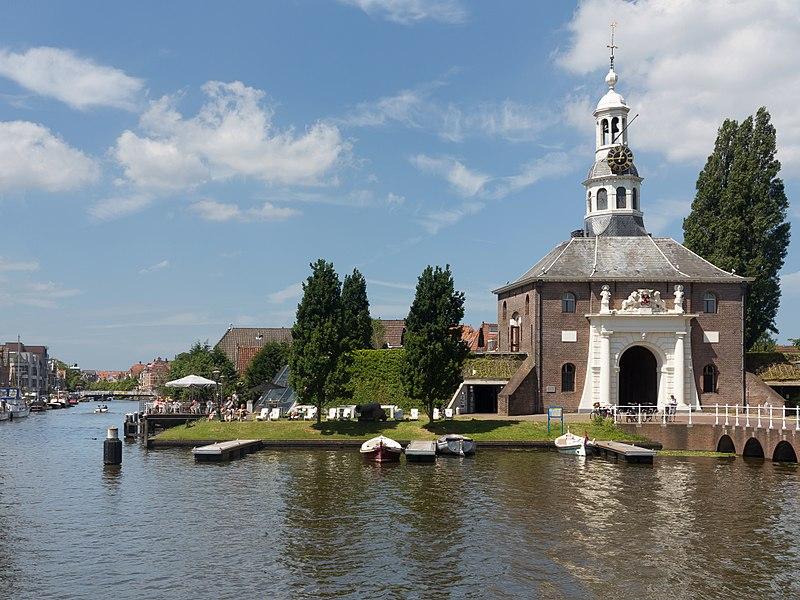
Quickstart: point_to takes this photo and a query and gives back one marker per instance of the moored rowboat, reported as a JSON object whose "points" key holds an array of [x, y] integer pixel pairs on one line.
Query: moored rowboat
{"points": [[381, 449], [454, 444], [572, 444]]}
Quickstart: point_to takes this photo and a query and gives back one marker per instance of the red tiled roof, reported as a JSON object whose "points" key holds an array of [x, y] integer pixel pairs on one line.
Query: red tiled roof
{"points": [[244, 356], [393, 331], [251, 337]]}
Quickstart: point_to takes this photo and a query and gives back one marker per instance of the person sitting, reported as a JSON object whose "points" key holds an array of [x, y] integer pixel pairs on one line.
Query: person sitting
{"points": [[212, 414], [242, 412]]}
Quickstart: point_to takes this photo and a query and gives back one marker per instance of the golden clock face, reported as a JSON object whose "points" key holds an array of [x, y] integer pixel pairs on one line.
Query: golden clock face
{"points": [[619, 159]]}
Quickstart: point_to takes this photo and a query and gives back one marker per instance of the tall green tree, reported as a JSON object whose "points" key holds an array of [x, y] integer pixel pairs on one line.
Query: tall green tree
{"points": [[355, 311], [738, 217], [319, 356], [266, 364], [434, 351]]}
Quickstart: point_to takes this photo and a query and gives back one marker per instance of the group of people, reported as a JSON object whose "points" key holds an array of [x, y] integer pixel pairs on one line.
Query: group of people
{"points": [[231, 410]]}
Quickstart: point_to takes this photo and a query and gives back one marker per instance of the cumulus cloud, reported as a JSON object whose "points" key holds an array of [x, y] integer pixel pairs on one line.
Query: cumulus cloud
{"points": [[79, 82], [407, 12], [33, 158], [116, 208], [464, 181], [231, 135], [211, 210], [686, 66]]}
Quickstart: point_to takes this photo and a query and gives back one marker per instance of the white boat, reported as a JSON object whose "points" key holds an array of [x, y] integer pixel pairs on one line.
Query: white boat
{"points": [[16, 404], [101, 409], [454, 444], [381, 449], [572, 444]]}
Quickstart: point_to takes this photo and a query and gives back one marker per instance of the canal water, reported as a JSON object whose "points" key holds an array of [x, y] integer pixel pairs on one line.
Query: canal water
{"points": [[322, 524]]}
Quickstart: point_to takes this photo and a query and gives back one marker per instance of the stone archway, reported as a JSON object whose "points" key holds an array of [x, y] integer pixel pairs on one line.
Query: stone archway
{"points": [[753, 449], [726, 444], [784, 452], [638, 377]]}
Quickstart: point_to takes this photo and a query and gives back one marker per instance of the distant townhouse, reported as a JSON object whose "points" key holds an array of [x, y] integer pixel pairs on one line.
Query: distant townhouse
{"points": [[154, 375], [26, 366]]}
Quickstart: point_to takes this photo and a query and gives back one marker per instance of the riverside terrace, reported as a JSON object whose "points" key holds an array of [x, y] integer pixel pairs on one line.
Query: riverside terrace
{"points": [[757, 431]]}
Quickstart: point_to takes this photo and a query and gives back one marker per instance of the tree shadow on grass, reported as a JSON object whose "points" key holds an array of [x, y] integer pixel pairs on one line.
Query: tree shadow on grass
{"points": [[354, 428], [467, 427]]}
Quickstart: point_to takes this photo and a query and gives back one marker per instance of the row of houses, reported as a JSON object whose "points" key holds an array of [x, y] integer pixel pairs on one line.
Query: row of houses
{"points": [[30, 368], [241, 344]]}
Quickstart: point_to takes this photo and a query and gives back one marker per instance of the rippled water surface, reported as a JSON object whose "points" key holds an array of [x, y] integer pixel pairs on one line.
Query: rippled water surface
{"points": [[322, 524]]}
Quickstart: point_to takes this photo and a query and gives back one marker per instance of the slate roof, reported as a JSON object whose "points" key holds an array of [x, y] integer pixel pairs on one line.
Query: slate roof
{"points": [[602, 169], [633, 258], [251, 337]]}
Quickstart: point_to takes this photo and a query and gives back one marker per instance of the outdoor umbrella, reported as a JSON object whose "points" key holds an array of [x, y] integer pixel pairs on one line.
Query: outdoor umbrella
{"points": [[189, 381]]}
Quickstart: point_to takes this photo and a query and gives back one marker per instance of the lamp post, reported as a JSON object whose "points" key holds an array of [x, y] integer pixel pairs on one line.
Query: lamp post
{"points": [[215, 372]]}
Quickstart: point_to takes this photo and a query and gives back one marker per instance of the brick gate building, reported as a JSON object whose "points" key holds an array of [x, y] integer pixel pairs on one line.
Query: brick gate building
{"points": [[616, 316]]}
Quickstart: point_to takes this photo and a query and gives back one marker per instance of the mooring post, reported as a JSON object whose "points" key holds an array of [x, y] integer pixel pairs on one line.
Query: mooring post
{"points": [[112, 448]]}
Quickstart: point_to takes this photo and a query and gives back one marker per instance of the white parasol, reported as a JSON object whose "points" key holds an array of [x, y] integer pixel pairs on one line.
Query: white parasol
{"points": [[190, 381]]}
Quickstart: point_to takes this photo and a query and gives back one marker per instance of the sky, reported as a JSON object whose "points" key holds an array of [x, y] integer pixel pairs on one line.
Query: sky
{"points": [[168, 169]]}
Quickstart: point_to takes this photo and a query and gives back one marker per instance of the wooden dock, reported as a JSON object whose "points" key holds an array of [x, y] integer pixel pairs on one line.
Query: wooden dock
{"points": [[628, 452], [421, 451], [223, 451]]}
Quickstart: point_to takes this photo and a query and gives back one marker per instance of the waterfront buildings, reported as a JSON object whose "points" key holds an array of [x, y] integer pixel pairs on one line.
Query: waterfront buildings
{"points": [[153, 375], [25, 364]]}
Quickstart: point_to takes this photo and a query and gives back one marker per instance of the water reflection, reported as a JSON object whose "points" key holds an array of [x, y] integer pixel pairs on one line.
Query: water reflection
{"points": [[325, 524]]}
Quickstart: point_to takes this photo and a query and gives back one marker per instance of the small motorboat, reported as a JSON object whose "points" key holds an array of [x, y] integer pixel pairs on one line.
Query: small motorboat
{"points": [[454, 444], [101, 409], [381, 449], [572, 444]]}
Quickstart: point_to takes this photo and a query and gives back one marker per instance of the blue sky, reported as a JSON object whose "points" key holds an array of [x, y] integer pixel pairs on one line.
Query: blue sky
{"points": [[167, 168]]}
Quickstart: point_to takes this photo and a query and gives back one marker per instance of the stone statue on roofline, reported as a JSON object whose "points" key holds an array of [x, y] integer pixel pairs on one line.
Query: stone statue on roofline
{"points": [[605, 300], [679, 299]]}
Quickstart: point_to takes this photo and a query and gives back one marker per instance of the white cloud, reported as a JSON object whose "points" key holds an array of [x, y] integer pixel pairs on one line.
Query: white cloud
{"points": [[686, 66], [415, 108], [211, 210], [463, 180], [19, 265], [231, 135], [32, 157], [433, 222], [116, 208], [553, 164], [407, 12], [76, 81], [660, 214], [393, 200], [37, 294], [291, 292], [790, 284], [159, 266], [392, 284]]}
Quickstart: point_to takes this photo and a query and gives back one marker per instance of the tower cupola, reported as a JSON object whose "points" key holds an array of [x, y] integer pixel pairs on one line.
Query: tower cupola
{"points": [[613, 183]]}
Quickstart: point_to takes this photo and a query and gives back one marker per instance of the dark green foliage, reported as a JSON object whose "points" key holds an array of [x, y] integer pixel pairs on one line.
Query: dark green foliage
{"points": [[266, 364], [378, 334], [377, 377], [124, 385], [319, 355], [355, 311], [202, 360], [738, 218], [764, 343], [435, 353]]}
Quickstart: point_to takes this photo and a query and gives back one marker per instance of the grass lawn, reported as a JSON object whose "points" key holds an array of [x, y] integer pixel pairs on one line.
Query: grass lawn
{"points": [[479, 429]]}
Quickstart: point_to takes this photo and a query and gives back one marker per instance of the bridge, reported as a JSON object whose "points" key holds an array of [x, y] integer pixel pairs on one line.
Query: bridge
{"points": [[771, 432], [133, 394]]}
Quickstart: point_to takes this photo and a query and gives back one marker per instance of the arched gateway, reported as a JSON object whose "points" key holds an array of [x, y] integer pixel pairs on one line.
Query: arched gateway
{"points": [[638, 377]]}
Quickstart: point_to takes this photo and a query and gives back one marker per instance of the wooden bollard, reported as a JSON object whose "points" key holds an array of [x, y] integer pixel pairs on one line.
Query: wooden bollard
{"points": [[112, 448]]}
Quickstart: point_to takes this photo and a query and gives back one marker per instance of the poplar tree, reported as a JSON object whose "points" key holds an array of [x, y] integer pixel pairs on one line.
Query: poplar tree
{"points": [[738, 217], [355, 311], [434, 351], [319, 355]]}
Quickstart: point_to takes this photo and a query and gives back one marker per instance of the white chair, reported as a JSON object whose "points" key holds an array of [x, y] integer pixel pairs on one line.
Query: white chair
{"points": [[436, 414], [311, 413], [331, 414], [263, 415], [448, 413], [346, 414], [414, 414], [275, 414]]}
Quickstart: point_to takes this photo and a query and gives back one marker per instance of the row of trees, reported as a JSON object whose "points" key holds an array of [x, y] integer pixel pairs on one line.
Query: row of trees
{"points": [[333, 320]]}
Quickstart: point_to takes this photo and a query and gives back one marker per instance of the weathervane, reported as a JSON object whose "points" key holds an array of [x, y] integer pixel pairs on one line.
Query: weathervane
{"points": [[611, 46]]}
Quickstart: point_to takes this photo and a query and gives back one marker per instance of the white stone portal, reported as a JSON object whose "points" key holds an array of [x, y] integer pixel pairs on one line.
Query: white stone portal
{"points": [[643, 321]]}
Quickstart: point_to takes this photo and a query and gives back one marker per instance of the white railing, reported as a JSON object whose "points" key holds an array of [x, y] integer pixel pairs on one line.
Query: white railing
{"points": [[729, 415]]}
